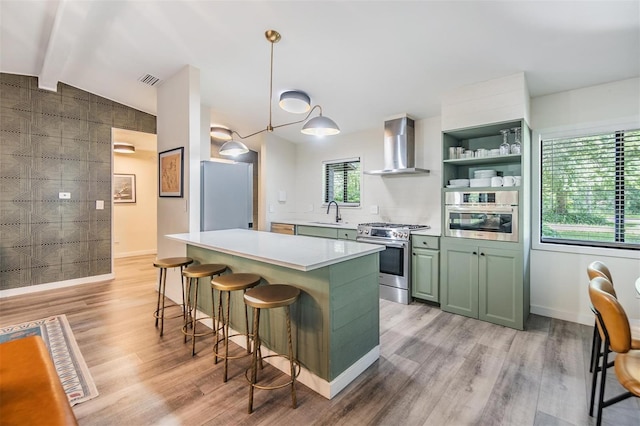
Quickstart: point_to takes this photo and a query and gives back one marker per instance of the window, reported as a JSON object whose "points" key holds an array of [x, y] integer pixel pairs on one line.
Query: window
{"points": [[590, 191], [342, 181]]}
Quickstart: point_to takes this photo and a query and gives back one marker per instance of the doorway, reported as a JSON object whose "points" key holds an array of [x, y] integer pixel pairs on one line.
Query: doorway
{"points": [[135, 192]]}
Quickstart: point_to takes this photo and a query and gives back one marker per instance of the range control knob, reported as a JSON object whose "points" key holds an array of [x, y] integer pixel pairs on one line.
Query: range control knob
{"points": [[395, 234]]}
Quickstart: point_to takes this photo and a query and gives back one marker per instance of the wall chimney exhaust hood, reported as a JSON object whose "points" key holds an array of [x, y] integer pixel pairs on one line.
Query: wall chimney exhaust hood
{"points": [[399, 149]]}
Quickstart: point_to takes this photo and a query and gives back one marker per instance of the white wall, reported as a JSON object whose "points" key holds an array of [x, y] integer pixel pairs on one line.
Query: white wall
{"points": [[558, 275], [178, 125], [491, 101], [135, 224], [278, 173]]}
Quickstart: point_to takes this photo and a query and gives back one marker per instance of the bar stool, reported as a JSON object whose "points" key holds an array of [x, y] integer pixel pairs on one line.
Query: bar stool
{"points": [[195, 272], [227, 284], [164, 264], [269, 297]]}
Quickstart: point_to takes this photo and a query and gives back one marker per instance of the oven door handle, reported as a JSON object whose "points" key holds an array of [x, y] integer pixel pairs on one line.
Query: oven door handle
{"points": [[464, 209]]}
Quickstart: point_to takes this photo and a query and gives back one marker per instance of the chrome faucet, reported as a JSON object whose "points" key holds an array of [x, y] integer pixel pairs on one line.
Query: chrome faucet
{"points": [[338, 218]]}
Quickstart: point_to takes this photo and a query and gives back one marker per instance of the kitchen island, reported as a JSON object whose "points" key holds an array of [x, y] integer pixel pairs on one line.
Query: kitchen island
{"points": [[336, 318]]}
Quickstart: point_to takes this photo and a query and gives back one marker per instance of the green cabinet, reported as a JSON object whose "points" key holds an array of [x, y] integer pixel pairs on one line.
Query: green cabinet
{"points": [[484, 281], [425, 267], [317, 231], [327, 232], [347, 234]]}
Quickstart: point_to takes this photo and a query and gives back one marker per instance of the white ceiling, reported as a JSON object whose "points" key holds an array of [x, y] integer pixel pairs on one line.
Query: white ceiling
{"points": [[361, 60]]}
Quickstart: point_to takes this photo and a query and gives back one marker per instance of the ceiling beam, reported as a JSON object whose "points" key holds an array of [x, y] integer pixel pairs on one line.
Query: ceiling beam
{"points": [[58, 49]]}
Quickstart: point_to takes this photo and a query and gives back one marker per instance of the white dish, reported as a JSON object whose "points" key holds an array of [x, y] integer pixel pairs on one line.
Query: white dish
{"points": [[479, 174], [457, 186], [463, 182], [474, 183]]}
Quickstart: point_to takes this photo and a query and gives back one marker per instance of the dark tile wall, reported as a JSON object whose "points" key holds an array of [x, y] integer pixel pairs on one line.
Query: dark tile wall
{"points": [[53, 142]]}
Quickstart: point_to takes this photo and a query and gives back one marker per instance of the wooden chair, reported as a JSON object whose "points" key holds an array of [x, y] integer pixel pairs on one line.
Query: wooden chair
{"points": [[614, 330], [599, 269]]}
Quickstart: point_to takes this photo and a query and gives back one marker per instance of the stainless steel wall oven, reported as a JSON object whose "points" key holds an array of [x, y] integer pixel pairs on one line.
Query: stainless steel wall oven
{"points": [[482, 215]]}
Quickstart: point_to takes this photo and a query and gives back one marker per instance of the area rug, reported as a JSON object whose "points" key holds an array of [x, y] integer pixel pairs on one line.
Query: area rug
{"points": [[58, 337]]}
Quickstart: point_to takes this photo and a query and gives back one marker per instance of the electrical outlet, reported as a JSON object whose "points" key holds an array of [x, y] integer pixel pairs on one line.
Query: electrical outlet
{"points": [[64, 195]]}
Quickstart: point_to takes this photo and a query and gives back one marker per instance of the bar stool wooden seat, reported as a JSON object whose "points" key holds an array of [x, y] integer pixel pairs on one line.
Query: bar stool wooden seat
{"points": [[269, 297], [225, 284], [164, 264], [194, 273]]}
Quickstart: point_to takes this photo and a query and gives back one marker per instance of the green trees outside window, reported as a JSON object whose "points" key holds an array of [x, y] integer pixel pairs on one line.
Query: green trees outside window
{"points": [[590, 191]]}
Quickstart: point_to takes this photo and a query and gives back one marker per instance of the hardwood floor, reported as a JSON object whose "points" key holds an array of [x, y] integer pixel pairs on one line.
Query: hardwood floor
{"points": [[435, 368]]}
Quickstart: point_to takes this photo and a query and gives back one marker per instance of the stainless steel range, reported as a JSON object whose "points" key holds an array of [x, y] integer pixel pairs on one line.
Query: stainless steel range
{"points": [[395, 260]]}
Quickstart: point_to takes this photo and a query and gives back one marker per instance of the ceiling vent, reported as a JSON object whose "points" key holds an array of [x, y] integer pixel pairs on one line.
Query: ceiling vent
{"points": [[149, 80]]}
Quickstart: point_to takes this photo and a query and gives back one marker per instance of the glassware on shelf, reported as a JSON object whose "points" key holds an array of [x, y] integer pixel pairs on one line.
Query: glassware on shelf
{"points": [[504, 146], [516, 145]]}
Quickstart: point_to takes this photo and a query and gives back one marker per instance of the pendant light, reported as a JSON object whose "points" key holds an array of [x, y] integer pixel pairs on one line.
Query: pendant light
{"points": [[294, 101], [233, 148], [124, 148]]}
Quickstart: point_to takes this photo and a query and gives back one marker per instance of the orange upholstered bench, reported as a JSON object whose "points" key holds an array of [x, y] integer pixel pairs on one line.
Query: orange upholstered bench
{"points": [[30, 389]]}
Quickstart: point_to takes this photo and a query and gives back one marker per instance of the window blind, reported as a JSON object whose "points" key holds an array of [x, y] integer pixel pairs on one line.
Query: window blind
{"points": [[342, 181], [590, 191]]}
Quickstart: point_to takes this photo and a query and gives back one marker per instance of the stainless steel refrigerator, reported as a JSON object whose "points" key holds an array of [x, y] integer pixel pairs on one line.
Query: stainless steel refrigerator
{"points": [[226, 200]]}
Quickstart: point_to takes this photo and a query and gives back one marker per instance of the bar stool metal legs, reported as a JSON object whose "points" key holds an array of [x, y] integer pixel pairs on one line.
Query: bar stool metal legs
{"points": [[195, 272], [266, 297], [164, 264], [225, 284]]}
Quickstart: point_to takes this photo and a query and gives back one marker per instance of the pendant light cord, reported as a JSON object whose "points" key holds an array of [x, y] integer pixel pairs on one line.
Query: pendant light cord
{"points": [[270, 127]]}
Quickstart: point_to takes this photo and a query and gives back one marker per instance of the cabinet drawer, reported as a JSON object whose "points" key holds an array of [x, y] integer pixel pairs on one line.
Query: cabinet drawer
{"points": [[283, 228], [317, 231], [347, 234], [424, 241]]}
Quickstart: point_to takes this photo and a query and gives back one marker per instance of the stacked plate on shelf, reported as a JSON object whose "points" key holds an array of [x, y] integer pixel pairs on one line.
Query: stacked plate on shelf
{"points": [[482, 178], [458, 183]]}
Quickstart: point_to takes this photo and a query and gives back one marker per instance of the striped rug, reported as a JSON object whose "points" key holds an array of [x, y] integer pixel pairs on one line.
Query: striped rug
{"points": [[58, 337]]}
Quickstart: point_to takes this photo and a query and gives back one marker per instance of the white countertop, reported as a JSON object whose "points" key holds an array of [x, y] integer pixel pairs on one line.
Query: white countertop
{"points": [[291, 251]]}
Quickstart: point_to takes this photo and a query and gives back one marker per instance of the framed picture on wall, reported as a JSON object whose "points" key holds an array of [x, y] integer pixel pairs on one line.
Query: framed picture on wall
{"points": [[170, 172], [124, 188]]}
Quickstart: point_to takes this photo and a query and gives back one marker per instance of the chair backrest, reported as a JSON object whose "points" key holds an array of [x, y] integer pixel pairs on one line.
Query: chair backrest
{"points": [[599, 269], [614, 319]]}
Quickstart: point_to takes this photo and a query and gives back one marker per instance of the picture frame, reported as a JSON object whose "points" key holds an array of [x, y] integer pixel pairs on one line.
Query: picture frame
{"points": [[171, 172], [124, 188]]}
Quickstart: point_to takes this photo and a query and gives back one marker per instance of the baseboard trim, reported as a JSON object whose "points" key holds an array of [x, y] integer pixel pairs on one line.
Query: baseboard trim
{"points": [[586, 319], [134, 253], [306, 377], [52, 286]]}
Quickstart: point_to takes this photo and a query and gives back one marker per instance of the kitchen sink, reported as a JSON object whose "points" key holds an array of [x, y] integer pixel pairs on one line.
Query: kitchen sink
{"points": [[331, 223]]}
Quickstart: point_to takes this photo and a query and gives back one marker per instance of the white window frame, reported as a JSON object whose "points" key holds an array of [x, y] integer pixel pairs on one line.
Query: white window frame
{"points": [[324, 181], [573, 131]]}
